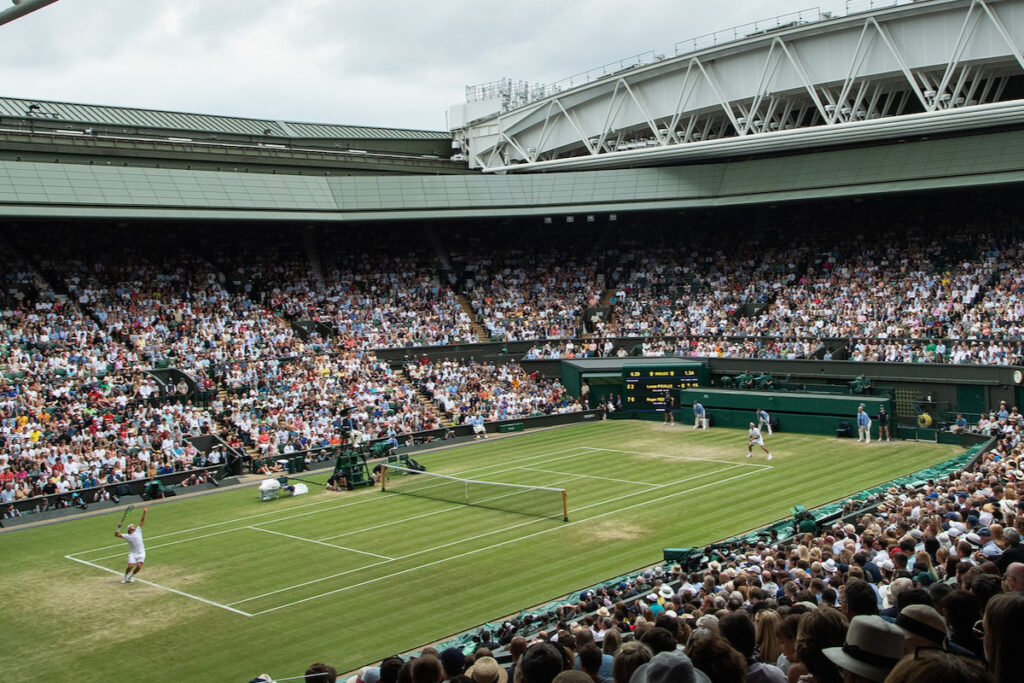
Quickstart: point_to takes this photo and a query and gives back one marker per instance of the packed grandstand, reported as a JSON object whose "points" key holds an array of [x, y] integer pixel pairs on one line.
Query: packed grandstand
{"points": [[82, 325], [85, 324], [136, 351]]}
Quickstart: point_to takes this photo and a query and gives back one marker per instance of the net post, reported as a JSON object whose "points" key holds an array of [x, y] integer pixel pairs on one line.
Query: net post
{"points": [[384, 476], [565, 506]]}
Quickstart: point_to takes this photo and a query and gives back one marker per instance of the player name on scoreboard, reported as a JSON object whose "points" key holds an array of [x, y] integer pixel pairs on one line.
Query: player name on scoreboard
{"points": [[652, 388]]}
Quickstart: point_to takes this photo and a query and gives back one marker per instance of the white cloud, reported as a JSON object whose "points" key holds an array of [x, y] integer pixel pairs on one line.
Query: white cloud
{"points": [[388, 62]]}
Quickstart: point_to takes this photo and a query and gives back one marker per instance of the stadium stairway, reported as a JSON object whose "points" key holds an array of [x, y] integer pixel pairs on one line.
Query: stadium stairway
{"points": [[606, 302], [421, 396], [423, 399], [478, 330]]}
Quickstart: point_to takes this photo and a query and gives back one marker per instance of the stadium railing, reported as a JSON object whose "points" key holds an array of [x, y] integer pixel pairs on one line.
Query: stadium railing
{"points": [[134, 487]]}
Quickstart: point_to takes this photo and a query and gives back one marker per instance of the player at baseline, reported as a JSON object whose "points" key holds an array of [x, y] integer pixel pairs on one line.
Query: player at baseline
{"points": [[136, 549], [754, 438]]}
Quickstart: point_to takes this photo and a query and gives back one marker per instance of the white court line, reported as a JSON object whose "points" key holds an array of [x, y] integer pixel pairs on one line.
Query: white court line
{"points": [[452, 508], [366, 496], [310, 540], [156, 585], [546, 456], [179, 532], [504, 466], [591, 476], [502, 543], [467, 539], [492, 532], [677, 457], [392, 523]]}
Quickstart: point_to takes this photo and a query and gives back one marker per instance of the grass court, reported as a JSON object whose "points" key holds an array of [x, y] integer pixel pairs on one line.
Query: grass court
{"points": [[234, 587]]}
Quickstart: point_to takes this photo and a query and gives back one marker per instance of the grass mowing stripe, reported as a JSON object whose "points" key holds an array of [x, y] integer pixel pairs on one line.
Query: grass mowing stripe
{"points": [[601, 503], [451, 596], [502, 543], [330, 545], [165, 588]]}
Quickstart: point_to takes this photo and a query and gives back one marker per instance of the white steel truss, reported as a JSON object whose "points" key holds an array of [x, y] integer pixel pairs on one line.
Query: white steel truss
{"points": [[851, 70]]}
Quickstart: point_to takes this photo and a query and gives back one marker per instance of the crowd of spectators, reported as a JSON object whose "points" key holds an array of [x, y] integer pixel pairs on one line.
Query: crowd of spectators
{"points": [[82, 408], [921, 583], [83, 325], [504, 391], [534, 288]]}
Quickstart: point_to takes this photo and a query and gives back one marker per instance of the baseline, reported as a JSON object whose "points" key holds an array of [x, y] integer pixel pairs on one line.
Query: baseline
{"points": [[677, 457], [166, 588]]}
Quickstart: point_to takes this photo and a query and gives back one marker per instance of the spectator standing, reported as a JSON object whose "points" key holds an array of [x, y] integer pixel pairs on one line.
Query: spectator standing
{"points": [[883, 424], [863, 425]]}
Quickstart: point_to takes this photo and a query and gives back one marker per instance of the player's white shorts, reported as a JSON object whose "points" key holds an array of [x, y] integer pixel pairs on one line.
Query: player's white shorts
{"points": [[136, 558], [759, 441]]}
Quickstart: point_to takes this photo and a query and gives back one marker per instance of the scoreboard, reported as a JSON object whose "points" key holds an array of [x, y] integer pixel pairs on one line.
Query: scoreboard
{"points": [[648, 387]]}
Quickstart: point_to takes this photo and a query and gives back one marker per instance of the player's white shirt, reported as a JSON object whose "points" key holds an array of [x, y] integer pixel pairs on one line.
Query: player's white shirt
{"points": [[134, 540], [755, 436]]}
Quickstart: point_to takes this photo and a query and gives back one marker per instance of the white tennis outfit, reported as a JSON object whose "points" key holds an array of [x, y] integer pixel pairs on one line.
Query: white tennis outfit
{"points": [[136, 550], [755, 437]]}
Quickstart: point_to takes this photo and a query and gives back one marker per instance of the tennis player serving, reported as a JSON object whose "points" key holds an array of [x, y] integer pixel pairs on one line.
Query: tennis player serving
{"points": [[136, 550]]}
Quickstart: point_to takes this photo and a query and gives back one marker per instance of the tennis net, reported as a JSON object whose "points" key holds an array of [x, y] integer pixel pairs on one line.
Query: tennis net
{"points": [[537, 501]]}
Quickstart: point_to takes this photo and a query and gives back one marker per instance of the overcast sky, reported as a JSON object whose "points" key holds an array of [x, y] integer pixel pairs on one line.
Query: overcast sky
{"points": [[382, 63]]}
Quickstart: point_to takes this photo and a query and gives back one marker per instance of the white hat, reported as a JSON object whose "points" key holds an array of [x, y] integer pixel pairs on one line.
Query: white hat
{"points": [[873, 647], [829, 565], [666, 591]]}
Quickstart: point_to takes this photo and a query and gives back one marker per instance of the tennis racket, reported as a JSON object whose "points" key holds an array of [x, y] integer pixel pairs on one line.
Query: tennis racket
{"points": [[124, 516]]}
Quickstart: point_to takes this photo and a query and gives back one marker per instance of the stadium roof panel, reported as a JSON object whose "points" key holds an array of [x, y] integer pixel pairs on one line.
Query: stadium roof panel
{"points": [[48, 111]]}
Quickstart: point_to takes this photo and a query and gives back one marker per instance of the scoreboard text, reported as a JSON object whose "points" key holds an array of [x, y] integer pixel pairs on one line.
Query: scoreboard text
{"points": [[650, 388]]}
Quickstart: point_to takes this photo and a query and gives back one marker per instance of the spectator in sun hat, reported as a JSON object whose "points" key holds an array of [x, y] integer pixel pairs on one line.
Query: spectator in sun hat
{"points": [[829, 567], [669, 667], [487, 670], [872, 648]]}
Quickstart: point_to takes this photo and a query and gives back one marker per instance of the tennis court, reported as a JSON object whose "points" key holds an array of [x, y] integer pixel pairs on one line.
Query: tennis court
{"points": [[352, 542], [386, 572]]}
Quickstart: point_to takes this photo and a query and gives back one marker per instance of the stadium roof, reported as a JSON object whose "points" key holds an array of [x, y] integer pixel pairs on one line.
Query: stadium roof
{"points": [[51, 112]]}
